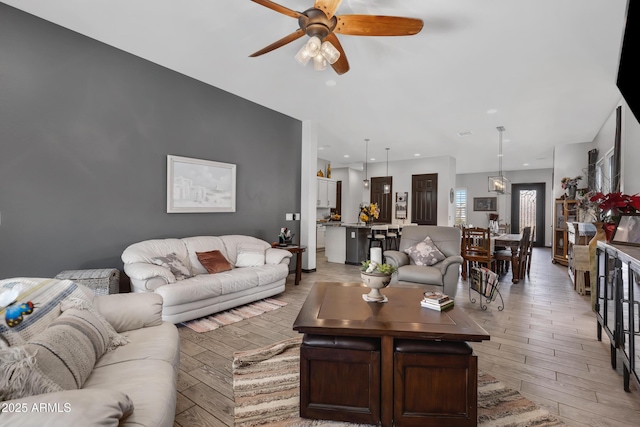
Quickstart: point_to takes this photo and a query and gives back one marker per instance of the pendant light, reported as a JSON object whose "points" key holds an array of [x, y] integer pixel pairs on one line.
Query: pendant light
{"points": [[366, 153], [499, 184], [386, 188]]}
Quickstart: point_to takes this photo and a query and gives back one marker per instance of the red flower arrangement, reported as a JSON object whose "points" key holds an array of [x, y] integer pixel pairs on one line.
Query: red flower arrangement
{"points": [[611, 206], [616, 204]]}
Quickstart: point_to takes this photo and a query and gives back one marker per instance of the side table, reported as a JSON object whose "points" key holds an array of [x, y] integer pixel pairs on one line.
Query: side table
{"points": [[297, 251]]}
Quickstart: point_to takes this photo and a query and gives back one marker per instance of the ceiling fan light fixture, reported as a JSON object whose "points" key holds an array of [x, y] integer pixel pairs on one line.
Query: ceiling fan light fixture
{"points": [[319, 63], [330, 53], [310, 49]]}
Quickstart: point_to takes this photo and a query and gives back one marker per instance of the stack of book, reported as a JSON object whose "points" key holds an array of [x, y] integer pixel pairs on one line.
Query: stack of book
{"points": [[436, 301]]}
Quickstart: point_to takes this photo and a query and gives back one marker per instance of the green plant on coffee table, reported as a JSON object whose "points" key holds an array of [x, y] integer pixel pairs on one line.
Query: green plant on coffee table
{"points": [[373, 267]]}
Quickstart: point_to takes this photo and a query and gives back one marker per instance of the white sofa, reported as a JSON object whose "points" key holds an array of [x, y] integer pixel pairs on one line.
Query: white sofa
{"points": [[132, 385], [203, 294]]}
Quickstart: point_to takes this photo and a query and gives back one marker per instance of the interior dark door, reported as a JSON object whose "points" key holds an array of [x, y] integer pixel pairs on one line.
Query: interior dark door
{"points": [[424, 192], [527, 209], [383, 200]]}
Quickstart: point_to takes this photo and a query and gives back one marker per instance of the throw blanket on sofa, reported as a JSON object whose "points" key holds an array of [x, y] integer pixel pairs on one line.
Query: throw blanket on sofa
{"points": [[46, 305]]}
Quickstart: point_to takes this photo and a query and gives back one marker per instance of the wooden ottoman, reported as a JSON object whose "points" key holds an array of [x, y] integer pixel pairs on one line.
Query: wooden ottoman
{"points": [[340, 378], [435, 384]]}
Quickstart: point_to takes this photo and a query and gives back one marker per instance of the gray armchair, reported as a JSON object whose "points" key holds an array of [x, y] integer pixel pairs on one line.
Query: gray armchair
{"points": [[445, 273]]}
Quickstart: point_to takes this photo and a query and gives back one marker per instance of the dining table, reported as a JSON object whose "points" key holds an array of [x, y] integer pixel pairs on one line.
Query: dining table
{"points": [[512, 242]]}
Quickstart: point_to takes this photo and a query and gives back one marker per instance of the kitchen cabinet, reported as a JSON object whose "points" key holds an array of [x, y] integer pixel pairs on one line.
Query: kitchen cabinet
{"points": [[565, 211], [327, 189]]}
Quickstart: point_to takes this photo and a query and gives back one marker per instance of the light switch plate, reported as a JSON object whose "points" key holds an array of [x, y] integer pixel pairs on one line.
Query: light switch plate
{"points": [[296, 216], [288, 217]]}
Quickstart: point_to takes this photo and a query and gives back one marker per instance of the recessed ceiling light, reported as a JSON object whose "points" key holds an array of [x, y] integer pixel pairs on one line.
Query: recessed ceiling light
{"points": [[506, 140], [330, 83], [372, 159], [320, 148], [465, 133], [346, 155], [492, 111], [525, 164], [416, 155]]}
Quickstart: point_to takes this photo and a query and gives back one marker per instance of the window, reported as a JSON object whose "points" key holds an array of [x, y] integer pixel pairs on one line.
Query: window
{"points": [[604, 167], [461, 206]]}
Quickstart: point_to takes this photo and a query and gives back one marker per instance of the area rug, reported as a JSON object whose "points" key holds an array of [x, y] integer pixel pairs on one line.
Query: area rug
{"points": [[209, 323], [266, 393]]}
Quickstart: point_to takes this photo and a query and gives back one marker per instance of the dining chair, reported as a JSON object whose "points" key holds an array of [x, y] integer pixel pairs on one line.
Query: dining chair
{"points": [[530, 249], [504, 257], [476, 249]]}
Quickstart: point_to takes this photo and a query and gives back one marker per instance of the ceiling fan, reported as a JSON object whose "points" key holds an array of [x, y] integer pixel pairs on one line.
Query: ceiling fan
{"points": [[321, 24]]}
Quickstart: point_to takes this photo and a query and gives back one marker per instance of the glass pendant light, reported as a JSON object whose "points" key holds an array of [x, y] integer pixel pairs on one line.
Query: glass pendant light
{"points": [[499, 184], [366, 153], [386, 188]]}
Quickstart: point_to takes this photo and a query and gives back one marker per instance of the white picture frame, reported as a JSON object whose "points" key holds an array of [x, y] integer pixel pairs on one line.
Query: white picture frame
{"points": [[200, 186]]}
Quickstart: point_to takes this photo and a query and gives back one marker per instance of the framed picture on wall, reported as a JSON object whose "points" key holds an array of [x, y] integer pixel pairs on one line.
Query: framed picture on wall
{"points": [[628, 230], [195, 185], [485, 203]]}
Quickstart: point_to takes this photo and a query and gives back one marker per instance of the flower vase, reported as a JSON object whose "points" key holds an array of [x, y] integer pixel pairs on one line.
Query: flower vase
{"points": [[572, 192], [609, 228], [375, 281]]}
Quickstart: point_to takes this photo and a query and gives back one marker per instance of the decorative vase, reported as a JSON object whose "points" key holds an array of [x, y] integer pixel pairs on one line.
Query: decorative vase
{"points": [[609, 228], [375, 281], [572, 192], [593, 243]]}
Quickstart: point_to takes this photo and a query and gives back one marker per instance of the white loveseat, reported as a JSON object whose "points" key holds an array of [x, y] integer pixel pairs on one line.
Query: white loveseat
{"points": [[262, 274], [131, 385]]}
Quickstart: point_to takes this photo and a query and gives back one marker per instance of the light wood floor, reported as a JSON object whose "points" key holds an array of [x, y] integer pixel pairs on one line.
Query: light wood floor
{"points": [[543, 344]]}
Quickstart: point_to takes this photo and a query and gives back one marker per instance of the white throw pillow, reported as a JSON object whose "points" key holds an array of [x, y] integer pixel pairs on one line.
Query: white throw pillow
{"points": [[250, 256]]}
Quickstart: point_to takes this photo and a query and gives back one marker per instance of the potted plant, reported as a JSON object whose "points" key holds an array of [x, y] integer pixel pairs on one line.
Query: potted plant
{"points": [[611, 206], [376, 276]]}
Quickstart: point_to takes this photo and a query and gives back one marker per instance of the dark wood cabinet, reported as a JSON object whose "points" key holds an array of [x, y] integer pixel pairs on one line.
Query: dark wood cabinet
{"points": [[618, 305]]}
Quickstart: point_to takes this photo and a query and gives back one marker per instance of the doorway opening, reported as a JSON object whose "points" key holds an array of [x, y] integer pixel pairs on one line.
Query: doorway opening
{"points": [[527, 210], [424, 193]]}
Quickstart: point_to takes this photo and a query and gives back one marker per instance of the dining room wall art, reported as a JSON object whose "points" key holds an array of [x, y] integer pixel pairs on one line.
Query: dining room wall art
{"points": [[486, 204], [200, 186]]}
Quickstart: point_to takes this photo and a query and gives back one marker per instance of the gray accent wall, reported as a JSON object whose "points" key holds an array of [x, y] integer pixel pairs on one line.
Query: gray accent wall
{"points": [[85, 130]]}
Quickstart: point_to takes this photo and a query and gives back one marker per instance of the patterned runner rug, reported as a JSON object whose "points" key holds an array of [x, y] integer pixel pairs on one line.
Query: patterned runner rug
{"points": [[234, 315], [266, 393]]}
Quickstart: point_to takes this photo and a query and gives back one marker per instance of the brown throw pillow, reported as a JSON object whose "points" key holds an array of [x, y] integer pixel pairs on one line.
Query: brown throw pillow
{"points": [[213, 261]]}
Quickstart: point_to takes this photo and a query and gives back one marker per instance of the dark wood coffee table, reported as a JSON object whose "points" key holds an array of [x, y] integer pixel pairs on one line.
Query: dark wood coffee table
{"points": [[338, 310]]}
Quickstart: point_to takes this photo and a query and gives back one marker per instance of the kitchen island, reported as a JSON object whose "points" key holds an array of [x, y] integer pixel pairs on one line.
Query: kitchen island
{"points": [[347, 243]]}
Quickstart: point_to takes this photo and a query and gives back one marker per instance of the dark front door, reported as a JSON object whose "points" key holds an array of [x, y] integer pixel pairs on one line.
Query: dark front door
{"points": [[424, 205], [383, 200], [527, 209]]}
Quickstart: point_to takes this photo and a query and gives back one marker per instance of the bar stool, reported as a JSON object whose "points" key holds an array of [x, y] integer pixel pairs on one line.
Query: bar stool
{"points": [[377, 235], [393, 237]]}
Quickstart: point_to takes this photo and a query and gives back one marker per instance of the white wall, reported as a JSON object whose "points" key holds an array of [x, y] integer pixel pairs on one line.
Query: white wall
{"points": [[477, 186], [570, 160], [353, 192], [630, 151], [403, 170]]}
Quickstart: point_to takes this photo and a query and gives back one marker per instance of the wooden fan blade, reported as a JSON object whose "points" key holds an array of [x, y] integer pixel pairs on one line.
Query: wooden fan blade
{"points": [[373, 25], [341, 66], [329, 7], [278, 8], [283, 41]]}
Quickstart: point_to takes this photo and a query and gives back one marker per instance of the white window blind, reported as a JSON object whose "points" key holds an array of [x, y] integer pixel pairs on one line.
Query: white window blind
{"points": [[461, 206]]}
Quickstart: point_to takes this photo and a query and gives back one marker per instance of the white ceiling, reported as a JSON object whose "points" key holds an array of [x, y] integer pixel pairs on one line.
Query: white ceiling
{"points": [[547, 66]]}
